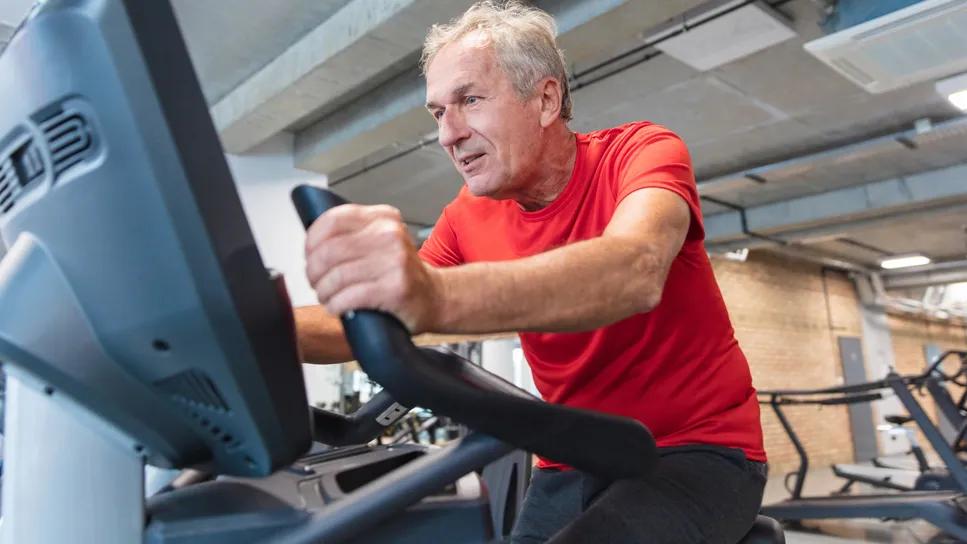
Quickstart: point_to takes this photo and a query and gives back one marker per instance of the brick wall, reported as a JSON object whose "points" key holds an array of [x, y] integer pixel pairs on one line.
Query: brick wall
{"points": [[787, 316]]}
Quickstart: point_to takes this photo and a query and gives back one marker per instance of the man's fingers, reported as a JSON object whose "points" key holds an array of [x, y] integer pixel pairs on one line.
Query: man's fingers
{"points": [[381, 238], [346, 219], [345, 275], [356, 297]]}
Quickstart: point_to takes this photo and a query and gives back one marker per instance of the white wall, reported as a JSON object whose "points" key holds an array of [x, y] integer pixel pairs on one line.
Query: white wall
{"points": [[504, 358], [13, 11], [264, 177]]}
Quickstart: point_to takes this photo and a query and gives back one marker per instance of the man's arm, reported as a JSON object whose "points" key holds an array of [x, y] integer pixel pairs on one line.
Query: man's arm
{"points": [[362, 257], [320, 336], [577, 287]]}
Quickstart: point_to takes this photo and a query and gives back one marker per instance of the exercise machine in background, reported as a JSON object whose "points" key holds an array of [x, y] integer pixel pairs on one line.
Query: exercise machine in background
{"points": [[915, 473], [945, 508]]}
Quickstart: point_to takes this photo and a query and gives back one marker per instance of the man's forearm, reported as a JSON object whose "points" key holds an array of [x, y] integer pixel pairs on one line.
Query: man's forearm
{"points": [[578, 287], [320, 336]]}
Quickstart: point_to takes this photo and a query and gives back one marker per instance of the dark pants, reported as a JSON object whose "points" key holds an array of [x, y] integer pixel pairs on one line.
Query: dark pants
{"points": [[698, 494]]}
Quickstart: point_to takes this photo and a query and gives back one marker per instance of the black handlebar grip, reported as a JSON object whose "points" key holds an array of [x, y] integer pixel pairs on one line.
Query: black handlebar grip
{"points": [[311, 202]]}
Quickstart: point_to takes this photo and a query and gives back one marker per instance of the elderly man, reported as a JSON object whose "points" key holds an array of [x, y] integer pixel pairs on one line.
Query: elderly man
{"points": [[590, 245]]}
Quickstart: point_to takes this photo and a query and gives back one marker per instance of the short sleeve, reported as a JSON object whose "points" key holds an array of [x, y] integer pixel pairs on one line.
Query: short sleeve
{"points": [[655, 157], [441, 248]]}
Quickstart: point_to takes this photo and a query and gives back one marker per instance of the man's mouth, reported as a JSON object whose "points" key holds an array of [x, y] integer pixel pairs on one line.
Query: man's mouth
{"points": [[466, 161]]}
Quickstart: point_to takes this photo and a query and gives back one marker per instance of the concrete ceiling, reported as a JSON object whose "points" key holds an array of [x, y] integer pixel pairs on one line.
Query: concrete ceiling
{"points": [[776, 132], [230, 41], [892, 155], [942, 235]]}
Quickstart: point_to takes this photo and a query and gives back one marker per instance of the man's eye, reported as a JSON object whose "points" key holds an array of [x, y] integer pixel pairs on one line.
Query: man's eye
{"points": [[471, 100], [438, 114]]}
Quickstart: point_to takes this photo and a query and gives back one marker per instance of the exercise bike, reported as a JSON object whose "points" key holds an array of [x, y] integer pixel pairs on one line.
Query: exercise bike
{"points": [[139, 325]]}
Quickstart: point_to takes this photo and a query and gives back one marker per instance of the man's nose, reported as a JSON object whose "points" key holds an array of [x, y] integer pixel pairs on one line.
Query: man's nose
{"points": [[453, 128]]}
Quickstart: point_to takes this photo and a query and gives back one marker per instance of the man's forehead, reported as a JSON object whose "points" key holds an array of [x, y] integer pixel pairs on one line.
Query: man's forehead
{"points": [[458, 70]]}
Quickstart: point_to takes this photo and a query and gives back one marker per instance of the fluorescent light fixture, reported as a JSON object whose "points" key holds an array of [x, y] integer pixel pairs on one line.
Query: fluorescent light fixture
{"points": [[959, 99], [955, 89], [904, 261]]}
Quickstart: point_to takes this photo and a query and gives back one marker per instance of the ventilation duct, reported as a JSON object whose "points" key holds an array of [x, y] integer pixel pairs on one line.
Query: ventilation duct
{"points": [[920, 42]]}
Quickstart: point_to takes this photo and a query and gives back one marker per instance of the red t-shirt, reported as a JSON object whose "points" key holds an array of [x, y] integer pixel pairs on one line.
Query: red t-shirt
{"points": [[678, 368]]}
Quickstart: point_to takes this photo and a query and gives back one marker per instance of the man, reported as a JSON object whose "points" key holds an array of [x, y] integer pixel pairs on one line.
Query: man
{"points": [[589, 243]]}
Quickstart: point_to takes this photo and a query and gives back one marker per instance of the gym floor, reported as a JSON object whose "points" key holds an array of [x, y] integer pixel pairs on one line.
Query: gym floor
{"points": [[822, 481]]}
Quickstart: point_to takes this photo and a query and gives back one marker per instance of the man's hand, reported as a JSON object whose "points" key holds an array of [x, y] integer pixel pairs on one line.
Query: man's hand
{"points": [[361, 257]]}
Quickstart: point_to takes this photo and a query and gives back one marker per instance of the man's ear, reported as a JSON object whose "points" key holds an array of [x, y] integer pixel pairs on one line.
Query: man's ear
{"points": [[551, 94]]}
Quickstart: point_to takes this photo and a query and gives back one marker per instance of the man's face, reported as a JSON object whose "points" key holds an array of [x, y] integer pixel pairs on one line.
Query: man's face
{"points": [[490, 134]]}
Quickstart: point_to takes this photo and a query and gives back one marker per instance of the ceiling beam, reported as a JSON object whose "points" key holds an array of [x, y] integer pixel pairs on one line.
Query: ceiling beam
{"points": [[724, 185], [925, 276], [838, 211], [392, 113], [361, 41]]}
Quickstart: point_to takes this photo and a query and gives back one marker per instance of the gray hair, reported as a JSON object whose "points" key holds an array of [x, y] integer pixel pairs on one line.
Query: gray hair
{"points": [[523, 38]]}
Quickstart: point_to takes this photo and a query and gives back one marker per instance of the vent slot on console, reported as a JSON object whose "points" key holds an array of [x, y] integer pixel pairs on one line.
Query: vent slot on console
{"points": [[193, 387], [69, 139], [18, 168]]}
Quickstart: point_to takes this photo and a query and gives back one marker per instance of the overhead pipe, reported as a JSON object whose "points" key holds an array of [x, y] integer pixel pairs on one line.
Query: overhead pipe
{"points": [[926, 276]]}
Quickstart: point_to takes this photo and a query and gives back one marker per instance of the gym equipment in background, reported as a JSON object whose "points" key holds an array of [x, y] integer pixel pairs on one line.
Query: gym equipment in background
{"points": [[947, 510]]}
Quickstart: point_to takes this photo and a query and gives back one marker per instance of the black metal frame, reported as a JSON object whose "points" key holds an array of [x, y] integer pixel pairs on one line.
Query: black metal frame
{"points": [[778, 398], [946, 510]]}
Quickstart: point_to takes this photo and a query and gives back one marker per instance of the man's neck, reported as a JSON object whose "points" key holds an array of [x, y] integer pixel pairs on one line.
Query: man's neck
{"points": [[552, 173]]}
